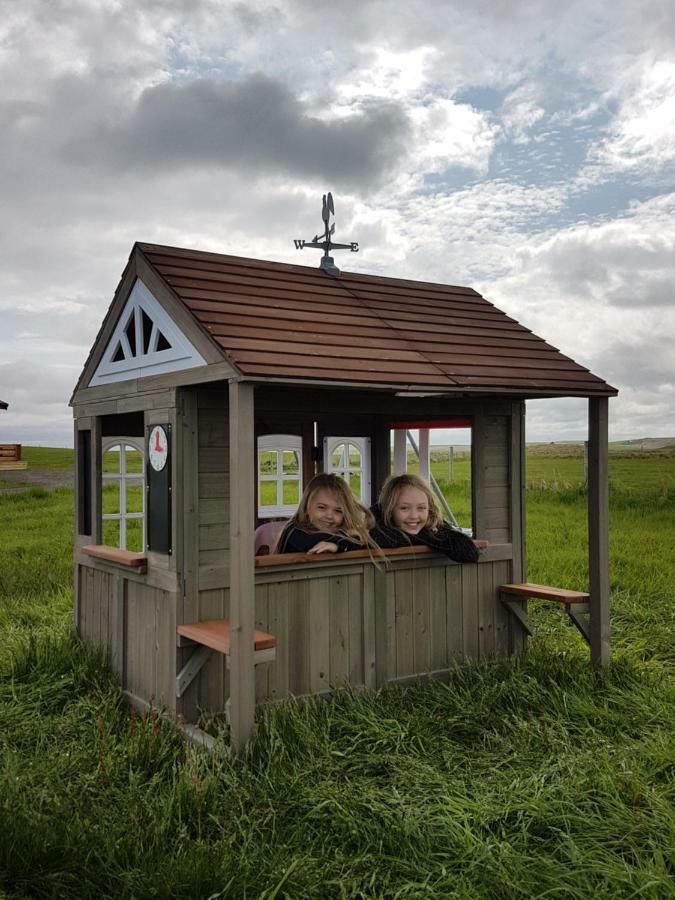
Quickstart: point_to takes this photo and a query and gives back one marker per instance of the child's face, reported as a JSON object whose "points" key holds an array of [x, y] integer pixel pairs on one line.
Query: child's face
{"points": [[411, 510], [325, 511]]}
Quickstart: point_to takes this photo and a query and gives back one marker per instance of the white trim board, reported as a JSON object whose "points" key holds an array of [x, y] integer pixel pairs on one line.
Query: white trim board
{"points": [[146, 341]]}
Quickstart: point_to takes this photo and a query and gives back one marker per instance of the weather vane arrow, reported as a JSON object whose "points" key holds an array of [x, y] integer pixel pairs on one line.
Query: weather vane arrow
{"points": [[324, 242]]}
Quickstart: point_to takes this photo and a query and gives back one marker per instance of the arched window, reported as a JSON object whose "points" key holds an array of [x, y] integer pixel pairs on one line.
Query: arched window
{"points": [[123, 490], [279, 475], [349, 457]]}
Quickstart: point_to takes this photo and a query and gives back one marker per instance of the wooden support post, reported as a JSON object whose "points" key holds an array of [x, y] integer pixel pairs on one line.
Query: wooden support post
{"points": [[400, 451], [380, 454], [425, 462], [96, 492], [242, 573], [598, 529]]}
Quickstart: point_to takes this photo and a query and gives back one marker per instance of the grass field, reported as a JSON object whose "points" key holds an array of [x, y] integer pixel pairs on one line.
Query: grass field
{"points": [[530, 778]]}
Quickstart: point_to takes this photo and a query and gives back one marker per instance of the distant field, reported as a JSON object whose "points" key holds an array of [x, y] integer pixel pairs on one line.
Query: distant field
{"points": [[48, 457]]}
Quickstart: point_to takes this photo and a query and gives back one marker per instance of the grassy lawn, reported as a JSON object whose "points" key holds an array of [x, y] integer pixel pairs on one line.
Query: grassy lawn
{"points": [[530, 778]]}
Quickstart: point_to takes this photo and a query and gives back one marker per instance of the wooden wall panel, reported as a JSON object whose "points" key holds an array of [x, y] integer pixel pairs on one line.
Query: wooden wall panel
{"points": [[95, 614], [150, 644], [213, 476]]}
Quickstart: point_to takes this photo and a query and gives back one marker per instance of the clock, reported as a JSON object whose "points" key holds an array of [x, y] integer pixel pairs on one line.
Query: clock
{"points": [[158, 448]]}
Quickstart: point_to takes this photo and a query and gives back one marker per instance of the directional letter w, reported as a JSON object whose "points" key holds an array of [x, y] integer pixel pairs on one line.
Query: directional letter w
{"points": [[299, 244]]}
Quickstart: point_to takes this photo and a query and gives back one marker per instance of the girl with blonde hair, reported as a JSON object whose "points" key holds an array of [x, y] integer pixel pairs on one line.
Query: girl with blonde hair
{"points": [[406, 514], [329, 519]]}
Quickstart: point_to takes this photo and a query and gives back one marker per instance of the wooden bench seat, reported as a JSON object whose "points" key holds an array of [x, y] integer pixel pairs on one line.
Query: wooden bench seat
{"points": [[576, 603], [214, 635], [543, 592]]}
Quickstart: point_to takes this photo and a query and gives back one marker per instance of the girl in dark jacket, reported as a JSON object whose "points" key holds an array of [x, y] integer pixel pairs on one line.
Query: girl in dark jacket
{"points": [[406, 514], [329, 520]]}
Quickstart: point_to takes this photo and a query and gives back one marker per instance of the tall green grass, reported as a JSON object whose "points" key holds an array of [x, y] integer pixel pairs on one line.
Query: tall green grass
{"points": [[535, 777]]}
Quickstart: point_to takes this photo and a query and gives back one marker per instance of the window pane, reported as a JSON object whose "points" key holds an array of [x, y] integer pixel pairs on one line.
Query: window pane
{"points": [[135, 535], [111, 460], [354, 457], [355, 483], [336, 457], [111, 497], [290, 462], [111, 533], [267, 462], [291, 492], [267, 493], [134, 460], [134, 499]]}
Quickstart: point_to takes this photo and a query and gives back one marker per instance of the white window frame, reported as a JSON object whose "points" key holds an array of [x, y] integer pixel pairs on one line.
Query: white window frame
{"points": [[278, 443], [181, 353], [124, 479], [344, 470]]}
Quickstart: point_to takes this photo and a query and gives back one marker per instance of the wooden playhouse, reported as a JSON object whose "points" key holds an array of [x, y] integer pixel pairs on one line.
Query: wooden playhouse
{"points": [[215, 388]]}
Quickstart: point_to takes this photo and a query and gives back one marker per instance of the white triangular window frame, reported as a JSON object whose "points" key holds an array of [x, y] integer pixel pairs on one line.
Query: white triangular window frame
{"points": [[132, 349]]}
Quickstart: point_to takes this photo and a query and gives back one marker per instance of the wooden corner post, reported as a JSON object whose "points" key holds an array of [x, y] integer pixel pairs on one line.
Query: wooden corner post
{"points": [[242, 572], [598, 529]]}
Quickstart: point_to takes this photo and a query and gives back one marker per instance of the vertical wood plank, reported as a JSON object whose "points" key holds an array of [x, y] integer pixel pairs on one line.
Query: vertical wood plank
{"points": [[380, 453], [339, 613], [478, 480], [425, 463], [104, 600], [486, 611], [96, 482], [166, 665], [319, 635], [515, 500], [405, 659], [242, 526], [421, 635], [262, 624], [470, 610], [212, 686], [382, 627], [455, 622], [598, 529], [438, 618], [363, 590], [298, 637], [500, 574], [278, 618], [356, 623], [132, 643], [400, 451]]}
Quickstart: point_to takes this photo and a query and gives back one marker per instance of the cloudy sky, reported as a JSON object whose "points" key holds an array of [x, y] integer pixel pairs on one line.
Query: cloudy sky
{"points": [[525, 148]]}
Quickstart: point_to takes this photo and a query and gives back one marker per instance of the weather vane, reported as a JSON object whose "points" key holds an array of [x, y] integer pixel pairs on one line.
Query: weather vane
{"points": [[327, 263]]}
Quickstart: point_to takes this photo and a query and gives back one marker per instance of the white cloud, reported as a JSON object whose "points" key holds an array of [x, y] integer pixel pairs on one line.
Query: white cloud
{"points": [[428, 204], [641, 136]]}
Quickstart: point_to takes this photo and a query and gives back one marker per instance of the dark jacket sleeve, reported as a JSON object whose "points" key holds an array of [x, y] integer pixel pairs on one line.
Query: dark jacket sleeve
{"points": [[452, 542], [297, 540]]}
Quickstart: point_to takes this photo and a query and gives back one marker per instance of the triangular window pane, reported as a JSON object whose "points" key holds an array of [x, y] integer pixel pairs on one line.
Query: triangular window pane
{"points": [[119, 354], [130, 332], [147, 331], [162, 343]]}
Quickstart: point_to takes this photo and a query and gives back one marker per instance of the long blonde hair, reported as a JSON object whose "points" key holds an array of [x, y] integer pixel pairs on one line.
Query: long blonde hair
{"points": [[356, 519], [391, 491]]}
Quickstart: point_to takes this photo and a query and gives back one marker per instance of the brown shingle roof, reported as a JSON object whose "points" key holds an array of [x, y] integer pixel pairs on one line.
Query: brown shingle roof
{"points": [[275, 320]]}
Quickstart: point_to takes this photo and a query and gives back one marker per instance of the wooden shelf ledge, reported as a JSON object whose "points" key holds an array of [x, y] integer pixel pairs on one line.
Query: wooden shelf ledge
{"points": [[136, 561], [544, 592], [215, 633], [290, 559]]}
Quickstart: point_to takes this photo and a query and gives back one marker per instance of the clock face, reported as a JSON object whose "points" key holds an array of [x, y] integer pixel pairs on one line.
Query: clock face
{"points": [[158, 448]]}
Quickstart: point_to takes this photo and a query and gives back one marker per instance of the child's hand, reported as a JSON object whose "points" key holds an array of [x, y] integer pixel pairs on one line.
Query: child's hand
{"points": [[324, 547]]}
